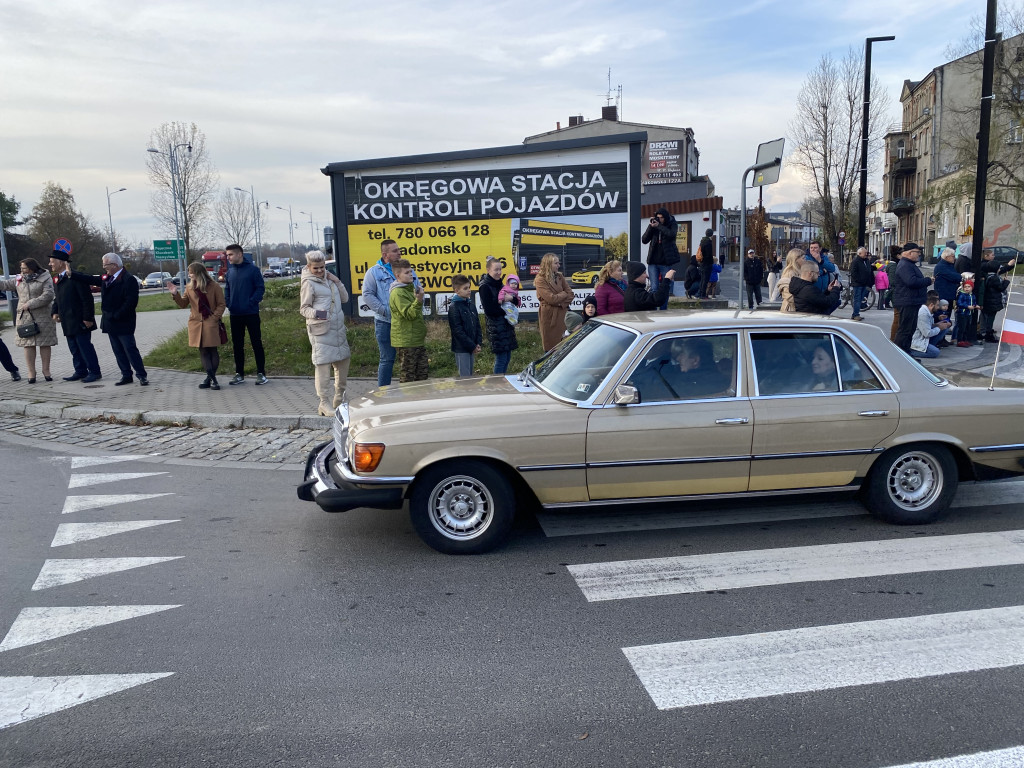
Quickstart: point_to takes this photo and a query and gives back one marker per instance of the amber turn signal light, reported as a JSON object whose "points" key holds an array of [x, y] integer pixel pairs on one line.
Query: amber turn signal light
{"points": [[366, 456]]}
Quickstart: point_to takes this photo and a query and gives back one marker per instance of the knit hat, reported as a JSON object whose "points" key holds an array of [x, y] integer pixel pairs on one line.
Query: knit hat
{"points": [[634, 269]]}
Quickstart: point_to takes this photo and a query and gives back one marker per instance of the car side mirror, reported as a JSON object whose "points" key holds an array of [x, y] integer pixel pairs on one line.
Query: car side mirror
{"points": [[626, 394]]}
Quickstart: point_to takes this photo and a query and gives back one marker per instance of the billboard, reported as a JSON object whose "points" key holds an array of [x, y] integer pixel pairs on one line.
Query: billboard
{"points": [[665, 163], [449, 213]]}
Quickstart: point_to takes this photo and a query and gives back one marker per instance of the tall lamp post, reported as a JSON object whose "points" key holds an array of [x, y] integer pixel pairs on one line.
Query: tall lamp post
{"points": [[312, 232], [862, 205], [291, 231], [256, 221], [172, 156], [110, 216]]}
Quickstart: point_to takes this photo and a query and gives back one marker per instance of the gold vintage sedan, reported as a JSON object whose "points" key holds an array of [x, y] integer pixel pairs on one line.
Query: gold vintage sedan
{"points": [[670, 406]]}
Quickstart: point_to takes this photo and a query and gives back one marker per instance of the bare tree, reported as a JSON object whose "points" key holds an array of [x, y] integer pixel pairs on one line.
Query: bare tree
{"points": [[196, 183], [827, 136], [959, 141], [233, 218]]}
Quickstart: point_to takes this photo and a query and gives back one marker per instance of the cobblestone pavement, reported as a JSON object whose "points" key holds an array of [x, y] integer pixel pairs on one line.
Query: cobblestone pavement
{"points": [[273, 448]]}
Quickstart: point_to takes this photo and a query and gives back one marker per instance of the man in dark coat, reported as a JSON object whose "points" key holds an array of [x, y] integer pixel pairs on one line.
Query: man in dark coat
{"points": [[119, 292], [706, 249], [990, 287], [75, 310], [862, 279], [808, 297], [910, 290], [500, 334], [947, 279], [663, 254], [753, 274], [638, 298], [243, 292]]}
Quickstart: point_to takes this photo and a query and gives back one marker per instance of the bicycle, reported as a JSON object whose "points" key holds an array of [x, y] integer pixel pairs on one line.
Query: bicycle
{"points": [[867, 303]]}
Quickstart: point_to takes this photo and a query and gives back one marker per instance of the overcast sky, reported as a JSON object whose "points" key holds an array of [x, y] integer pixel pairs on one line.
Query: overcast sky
{"points": [[282, 89]]}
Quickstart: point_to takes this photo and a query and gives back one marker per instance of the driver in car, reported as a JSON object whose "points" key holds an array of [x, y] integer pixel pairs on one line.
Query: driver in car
{"points": [[693, 373]]}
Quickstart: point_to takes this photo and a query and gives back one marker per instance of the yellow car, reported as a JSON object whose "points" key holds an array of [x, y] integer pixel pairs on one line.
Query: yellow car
{"points": [[586, 276]]}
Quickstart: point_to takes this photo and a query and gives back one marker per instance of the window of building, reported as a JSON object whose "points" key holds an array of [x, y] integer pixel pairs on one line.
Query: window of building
{"points": [[901, 149], [1016, 132]]}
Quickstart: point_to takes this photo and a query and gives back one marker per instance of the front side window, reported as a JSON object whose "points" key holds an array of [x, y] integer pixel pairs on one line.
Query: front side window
{"points": [[579, 364], [687, 368]]}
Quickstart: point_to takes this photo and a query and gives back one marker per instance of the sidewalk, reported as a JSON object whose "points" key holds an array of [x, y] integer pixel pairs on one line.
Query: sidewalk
{"points": [[172, 397]]}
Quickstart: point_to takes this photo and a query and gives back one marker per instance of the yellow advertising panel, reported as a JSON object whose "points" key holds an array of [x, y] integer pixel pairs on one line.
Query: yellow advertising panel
{"points": [[437, 249]]}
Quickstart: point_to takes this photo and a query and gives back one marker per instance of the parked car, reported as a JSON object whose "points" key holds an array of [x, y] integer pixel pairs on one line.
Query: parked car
{"points": [[1004, 254], [620, 413], [156, 279], [96, 288], [272, 272], [177, 279], [586, 276]]}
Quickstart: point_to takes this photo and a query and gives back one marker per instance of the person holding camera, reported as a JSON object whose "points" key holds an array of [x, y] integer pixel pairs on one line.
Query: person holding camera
{"points": [[662, 255]]}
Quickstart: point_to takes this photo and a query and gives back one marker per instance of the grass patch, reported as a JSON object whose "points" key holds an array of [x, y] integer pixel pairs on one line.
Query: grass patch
{"points": [[154, 302], [288, 350]]}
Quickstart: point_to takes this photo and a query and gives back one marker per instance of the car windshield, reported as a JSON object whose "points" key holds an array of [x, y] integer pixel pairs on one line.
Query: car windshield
{"points": [[576, 368]]}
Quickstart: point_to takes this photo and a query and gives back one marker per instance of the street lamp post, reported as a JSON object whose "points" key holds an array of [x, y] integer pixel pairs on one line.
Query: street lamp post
{"points": [[110, 216], [256, 222], [291, 229], [312, 232], [172, 157], [862, 205]]}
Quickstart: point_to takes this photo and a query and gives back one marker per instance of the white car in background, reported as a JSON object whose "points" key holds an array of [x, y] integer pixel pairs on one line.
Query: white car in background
{"points": [[156, 279]]}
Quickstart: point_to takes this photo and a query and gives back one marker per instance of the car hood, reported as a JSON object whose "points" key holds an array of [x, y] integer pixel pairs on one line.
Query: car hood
{"points": [[445, 399]]}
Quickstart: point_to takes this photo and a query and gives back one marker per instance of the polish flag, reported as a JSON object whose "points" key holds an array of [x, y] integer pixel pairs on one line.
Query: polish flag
{"points": [[1013, 320]]}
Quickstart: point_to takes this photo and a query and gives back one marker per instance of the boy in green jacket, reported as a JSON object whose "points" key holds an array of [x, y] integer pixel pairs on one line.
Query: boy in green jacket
{"points": [[408, 328]]}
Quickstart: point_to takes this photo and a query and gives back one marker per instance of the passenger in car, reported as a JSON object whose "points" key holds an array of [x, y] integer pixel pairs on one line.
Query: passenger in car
{"points": [[694, 373], [823, 371]]}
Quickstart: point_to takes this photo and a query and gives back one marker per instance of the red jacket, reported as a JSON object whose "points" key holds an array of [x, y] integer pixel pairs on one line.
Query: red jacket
{"points": [[610, 299]]}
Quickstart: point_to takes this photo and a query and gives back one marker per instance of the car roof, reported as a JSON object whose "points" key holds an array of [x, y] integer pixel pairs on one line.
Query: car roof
{"points": [[697, 319]]}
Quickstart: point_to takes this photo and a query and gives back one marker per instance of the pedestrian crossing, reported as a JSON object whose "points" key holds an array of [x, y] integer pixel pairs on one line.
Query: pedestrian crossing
{"points": [[708, 671], [24, 697]]}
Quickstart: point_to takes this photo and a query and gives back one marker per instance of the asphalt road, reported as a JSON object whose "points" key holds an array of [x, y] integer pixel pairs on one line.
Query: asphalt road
{"points": [[284, 635]]}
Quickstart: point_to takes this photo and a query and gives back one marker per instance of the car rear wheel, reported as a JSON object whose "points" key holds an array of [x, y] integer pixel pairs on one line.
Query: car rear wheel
{"points": [[462, 508], [912, 484]]}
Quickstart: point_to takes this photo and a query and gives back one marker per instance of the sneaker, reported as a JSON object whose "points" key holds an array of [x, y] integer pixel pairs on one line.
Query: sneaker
{"points": [[261, 378], [963, 343], [858, 318], [239, 379]]}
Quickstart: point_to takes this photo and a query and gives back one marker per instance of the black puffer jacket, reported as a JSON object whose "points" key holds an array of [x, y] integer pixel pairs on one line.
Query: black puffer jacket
{"points": [[807, 297], [662, 238], [500, 335], [638, 298], [862, 274]]}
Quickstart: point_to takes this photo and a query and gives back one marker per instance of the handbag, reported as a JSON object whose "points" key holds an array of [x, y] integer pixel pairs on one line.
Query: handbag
{"points": [[223, 332], [28, 330]]}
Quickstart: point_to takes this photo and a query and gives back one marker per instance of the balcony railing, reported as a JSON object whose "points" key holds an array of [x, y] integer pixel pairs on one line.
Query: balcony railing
{"points": [[904, 166], [900, 205]]}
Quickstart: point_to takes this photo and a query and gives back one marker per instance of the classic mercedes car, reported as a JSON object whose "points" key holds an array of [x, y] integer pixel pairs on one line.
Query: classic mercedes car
{"points": [[679, 405]]}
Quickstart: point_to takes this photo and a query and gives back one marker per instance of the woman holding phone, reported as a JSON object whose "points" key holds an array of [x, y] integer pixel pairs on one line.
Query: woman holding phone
{"points": [[322, 297], [205, 300]]}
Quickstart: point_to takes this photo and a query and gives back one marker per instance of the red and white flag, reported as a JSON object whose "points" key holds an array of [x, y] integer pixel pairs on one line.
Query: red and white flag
{"points": [[1013, 319]]}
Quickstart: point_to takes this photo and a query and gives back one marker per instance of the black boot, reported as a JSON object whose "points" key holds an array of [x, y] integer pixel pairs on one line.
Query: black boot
{"points": [[205, 384], [213, 383]]}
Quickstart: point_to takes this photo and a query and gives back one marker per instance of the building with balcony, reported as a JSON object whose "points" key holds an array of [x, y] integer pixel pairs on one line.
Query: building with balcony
{"points": [[925, 150]]}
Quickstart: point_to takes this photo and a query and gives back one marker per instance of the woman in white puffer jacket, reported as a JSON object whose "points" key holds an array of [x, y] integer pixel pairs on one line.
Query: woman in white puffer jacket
{"points": [[322, 298]]}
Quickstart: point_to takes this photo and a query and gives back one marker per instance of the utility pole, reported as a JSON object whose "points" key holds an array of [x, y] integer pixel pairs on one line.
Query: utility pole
{"points": [[862, 205], [981, 182]]}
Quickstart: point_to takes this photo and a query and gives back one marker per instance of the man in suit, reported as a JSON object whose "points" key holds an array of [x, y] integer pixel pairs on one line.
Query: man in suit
{"points": [[74, 309], [120, 296]]}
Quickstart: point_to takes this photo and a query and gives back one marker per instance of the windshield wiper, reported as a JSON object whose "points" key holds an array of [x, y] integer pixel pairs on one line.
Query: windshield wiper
{"points": [[527, 372]]}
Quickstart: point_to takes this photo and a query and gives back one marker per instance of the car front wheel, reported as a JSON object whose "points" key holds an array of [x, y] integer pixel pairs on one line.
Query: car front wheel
{"points": [[462, 507], [912, 484]]}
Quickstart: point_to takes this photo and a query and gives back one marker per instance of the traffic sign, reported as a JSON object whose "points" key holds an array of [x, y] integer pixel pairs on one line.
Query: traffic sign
{"points": [[842, 235], [63, 245], [165, 250], [969, 232], [842, 240], [769, 152]]}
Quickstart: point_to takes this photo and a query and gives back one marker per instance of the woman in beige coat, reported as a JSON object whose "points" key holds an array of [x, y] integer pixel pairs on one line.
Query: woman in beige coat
{"points": [[205, 300], [322, 299], [35, 300], [554, 297]]}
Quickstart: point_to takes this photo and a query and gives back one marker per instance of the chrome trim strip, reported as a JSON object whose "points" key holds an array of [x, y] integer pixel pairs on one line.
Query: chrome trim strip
{"points": [[548, 467], [995, 448], [705, 496], [816, 454], [654, 462], [845, 393]]}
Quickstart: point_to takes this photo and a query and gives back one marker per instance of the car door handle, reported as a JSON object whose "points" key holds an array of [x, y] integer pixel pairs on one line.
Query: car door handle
{"points": [[873, 413], [739, 420]]}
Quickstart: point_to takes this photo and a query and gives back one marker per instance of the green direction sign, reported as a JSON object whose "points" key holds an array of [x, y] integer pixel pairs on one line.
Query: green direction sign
{"points": [[165, 250]]}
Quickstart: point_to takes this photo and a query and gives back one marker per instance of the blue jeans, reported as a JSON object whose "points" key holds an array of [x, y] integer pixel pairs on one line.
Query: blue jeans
{"points": [[932, 351], [382, 331], [501, 361], [860, 292], [464, 363], [656, 272]]}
